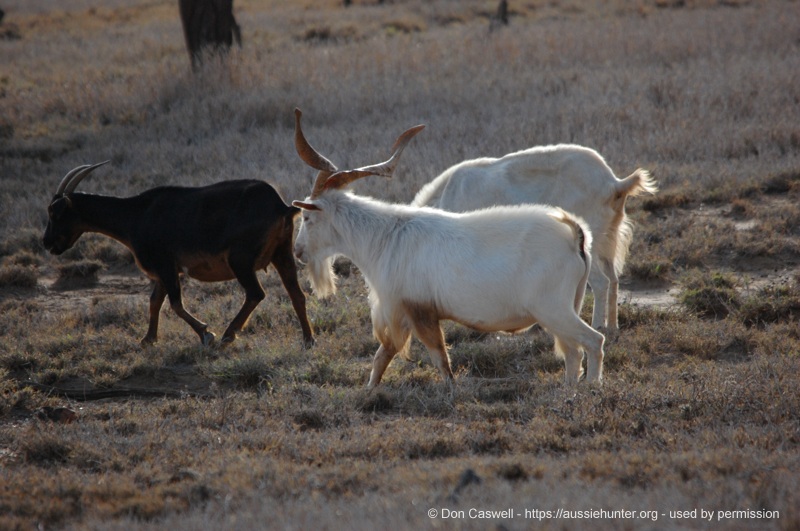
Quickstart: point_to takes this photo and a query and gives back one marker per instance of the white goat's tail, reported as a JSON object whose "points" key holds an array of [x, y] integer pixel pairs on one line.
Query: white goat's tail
{"points": [[583, 247], [585, 243], [637, 183]]}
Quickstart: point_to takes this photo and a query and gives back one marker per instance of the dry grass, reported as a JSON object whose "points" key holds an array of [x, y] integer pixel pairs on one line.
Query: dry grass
{"points": [[699, 408]]}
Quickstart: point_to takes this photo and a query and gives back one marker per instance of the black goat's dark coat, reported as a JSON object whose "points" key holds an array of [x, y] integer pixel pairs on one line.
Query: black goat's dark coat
{"points": [[218, 232]]}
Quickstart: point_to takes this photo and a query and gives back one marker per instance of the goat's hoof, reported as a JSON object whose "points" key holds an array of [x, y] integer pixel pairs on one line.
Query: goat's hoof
{"points": [[208, 338], [227, 340], [309, 342], [148, 342]]}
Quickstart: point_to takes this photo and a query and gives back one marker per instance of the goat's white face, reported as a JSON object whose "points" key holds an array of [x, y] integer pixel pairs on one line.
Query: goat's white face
{"points": [[313, 247], [318, 241]]}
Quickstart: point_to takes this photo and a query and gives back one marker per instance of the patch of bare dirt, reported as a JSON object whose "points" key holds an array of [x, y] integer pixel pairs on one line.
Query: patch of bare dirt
{"points": [[56, 296], [753, 272], [637, 293]]}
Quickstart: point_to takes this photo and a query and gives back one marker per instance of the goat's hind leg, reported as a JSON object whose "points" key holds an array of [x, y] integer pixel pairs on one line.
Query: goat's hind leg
{"points": [[173, 289], [572, 335], [156, 301], [605, 277], [573, 358], [283, 260], [592, 342], [600, 284], [605, 285]]}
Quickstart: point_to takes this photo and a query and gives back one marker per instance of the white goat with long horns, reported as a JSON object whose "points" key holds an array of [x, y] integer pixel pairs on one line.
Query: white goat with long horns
{"points": [[498, 269]]}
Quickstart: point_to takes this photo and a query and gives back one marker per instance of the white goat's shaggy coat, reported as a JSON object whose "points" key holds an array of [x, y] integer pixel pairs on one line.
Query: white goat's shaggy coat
{"points": [[572, 177], [498, 269]]}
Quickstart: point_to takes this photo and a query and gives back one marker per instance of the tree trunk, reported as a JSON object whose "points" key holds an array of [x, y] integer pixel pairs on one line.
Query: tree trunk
{"points": [[208, 25]]}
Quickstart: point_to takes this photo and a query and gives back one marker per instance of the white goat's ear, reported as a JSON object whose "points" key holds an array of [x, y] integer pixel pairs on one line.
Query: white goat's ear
{"points": [[305, 206]]}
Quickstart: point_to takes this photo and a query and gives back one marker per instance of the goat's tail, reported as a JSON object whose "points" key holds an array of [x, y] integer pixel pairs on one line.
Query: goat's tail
{"points": [[583, 246], [637, 183]]}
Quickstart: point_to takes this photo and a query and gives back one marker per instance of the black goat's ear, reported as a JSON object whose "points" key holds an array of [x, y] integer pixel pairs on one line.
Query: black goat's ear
{"points": [[305, 206], [59, 206]]}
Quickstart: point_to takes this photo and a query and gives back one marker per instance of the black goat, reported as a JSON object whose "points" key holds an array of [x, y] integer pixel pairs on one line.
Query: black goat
{"points": [[218, 232]]}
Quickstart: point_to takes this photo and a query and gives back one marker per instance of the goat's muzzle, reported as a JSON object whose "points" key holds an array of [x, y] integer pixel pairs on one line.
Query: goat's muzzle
{"points": [[52, 246]]}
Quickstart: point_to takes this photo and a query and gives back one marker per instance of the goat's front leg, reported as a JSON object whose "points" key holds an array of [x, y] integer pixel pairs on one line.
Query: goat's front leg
{"points": [[254, 294], [383, 357], [173, 288], [431, 335], [425, 322], [156, 301]]}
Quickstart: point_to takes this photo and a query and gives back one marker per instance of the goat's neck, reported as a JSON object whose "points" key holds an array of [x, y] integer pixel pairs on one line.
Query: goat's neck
{"points": [[366, 230], [114, 217]]}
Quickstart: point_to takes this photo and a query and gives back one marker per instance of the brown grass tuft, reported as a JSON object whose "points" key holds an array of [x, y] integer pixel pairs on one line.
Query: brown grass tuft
{"points": [[82, 272], [710, 295], [18, 276]]}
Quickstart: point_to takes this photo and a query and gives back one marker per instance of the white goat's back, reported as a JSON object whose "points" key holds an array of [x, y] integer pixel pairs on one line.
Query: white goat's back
{"points": [[572, 177], [567, 176]]}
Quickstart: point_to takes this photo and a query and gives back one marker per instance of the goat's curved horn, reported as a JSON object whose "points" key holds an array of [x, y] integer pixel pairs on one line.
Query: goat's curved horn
{"points": [[405, 138], [311, 156], [387, 168], [74, 177], [343, 178], [65, 181], [340, 179]]}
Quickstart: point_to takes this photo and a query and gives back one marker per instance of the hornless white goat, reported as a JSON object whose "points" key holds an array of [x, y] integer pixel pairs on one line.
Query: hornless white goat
{"points": [[498, 269], [572, 177]]}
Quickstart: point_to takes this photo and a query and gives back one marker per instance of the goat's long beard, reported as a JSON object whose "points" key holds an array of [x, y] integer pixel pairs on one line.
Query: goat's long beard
{"points": [[320, 273]]}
